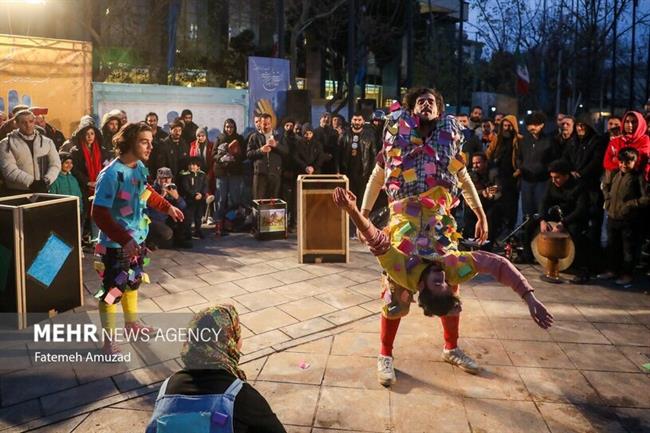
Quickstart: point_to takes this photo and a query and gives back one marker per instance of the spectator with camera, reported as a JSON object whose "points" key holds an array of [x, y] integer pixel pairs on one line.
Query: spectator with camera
{"points": [[164, 232]]}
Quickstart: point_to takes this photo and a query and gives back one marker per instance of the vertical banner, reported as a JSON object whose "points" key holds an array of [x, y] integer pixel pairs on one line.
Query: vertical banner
{"points": [[268, 82]]}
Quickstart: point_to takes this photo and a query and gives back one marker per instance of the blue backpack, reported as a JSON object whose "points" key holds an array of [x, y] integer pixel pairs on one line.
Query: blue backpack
{"points": [[209, 413]]}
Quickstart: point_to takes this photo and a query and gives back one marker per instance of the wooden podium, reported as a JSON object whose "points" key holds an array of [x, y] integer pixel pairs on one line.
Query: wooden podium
{"points": [[40, 257], [323, 229]]}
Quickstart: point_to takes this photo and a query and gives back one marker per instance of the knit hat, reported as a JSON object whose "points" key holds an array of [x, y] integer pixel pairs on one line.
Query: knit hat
{"points": [[22, 113], [17, 108], [203, 130], [164, 172], [306, 127], [65, 156]]}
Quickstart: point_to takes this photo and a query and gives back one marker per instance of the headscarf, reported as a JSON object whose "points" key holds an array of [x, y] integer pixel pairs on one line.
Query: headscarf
{"points": [[221, 354], [638, 140]]}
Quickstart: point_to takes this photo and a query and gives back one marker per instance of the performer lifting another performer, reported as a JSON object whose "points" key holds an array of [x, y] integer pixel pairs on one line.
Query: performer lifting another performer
{"points": [[421, 168], [121, 195]]}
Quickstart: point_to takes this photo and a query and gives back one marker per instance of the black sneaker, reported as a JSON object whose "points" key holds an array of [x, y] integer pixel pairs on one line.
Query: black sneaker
{"points": [[580, 279]]}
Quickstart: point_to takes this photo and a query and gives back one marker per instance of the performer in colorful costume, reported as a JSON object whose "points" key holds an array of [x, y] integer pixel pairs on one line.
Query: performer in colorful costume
{"points": [[121, 195], [421, 167]]}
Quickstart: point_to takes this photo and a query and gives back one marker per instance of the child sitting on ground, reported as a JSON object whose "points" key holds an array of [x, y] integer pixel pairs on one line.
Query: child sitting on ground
{"points": [[434, 279]]}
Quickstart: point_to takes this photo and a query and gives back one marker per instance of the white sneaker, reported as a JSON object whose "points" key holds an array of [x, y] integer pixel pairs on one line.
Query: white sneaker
{"points": [[461, 359], [385, 370]]}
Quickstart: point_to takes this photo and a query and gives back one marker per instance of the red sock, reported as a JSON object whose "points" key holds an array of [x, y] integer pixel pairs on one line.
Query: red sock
{"points": [[387, 335], [450, 326]]}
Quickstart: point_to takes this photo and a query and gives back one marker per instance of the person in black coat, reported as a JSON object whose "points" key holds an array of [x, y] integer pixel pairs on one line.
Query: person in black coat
{"points": [[357, 154], [535, 154], [328, 138], [194, 188], [566, 203], [266, 152], [228, 162], [289, 171], [585, 154], [309, 156], [172, 152]]}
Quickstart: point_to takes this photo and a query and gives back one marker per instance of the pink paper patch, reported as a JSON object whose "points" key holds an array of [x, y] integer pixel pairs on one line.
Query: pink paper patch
{"points": [[427, 202], [398, 207], [112, 295], [126, 210], [395, 106], [100, 249], [124, 195], [431, 182], [430, 168]]}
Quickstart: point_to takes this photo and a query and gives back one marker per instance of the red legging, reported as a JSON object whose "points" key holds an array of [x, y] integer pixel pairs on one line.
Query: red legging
{"points": [[389, 327]]}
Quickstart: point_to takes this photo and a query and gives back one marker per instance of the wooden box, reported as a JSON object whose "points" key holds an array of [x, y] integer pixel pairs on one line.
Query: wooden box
{"points": [[323, 229], [270, 219], [40, 257]]}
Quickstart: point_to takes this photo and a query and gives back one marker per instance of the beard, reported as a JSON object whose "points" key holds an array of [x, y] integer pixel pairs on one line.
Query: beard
{"points": [[507, 134]]}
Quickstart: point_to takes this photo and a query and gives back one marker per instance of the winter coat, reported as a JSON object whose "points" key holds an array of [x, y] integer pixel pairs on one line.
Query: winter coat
{"points": [[366, 149], [265, 163], [535, 154], [79, 169], [192, 183], [67, 184], [625, 195], [585, 155], [189, 132], [223, 162], [171, 155], [289, 168], [638, 140], [20, 167], [571, 198], [309, 153], [107, 142], [329, 141]]}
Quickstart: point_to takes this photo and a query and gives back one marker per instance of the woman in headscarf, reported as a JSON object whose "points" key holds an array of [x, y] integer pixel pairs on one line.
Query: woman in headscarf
{"points": [[228, 160], [212, 389]]}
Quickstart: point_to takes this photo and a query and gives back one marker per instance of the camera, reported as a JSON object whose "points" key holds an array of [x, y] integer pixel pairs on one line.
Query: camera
{"points": [[171, 186]]}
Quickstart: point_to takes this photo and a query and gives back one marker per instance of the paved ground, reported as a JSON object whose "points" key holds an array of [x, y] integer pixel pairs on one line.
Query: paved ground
{"points": [[584, 375]]}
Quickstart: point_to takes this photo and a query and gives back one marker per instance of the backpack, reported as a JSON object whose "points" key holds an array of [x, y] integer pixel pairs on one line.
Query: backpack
{"points": [[208, 413]]}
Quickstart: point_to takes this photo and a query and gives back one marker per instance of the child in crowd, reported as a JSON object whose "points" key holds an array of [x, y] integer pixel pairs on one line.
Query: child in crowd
{"points": [[121, 195], [67, 184], [194, 188], [626, 193]]}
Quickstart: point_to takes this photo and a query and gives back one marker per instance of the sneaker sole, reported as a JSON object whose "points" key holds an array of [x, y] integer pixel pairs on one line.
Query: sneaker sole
{"points": [[465, 369], [387, 383]]}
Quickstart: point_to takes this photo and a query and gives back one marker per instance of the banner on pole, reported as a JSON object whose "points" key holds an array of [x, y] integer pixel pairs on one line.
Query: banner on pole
{"points": [[268, 82]]}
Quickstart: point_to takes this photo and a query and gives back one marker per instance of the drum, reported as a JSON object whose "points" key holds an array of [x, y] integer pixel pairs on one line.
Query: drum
{"points": [[555, 251]]}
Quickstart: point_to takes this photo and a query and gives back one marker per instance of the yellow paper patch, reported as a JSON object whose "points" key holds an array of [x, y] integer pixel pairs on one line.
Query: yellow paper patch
{"points": [[99, 266], [416, 140], [455, 165], [410, 175], [145, 278], [395, 172], [394, 152], [145, 195]]}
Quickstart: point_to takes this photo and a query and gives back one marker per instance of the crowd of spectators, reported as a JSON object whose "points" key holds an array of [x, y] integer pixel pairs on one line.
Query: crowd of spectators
{"points": [[523, 170]]}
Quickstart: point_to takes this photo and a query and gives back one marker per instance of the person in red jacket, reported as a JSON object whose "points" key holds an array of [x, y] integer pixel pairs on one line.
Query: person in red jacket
{"points": [[634, 135]]}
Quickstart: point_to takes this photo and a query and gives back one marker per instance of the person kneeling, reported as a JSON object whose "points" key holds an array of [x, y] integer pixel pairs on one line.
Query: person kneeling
{"points": [[211, 394]]}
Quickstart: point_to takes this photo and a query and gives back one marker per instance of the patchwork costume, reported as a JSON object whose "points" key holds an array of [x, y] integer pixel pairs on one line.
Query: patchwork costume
{"points": [[422, 177], [122, 194]]}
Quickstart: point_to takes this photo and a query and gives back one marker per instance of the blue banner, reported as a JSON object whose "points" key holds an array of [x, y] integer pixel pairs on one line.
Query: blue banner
{"points": [[268, 82]]}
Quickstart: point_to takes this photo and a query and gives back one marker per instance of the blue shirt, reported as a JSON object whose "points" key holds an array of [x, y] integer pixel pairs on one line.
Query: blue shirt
{"points": [[120, 188]]}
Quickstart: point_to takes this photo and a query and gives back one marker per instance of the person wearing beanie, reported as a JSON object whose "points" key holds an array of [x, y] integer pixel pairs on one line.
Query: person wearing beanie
{"points": [[29, 161], [10, 124], [309, 156], [67, 184]]}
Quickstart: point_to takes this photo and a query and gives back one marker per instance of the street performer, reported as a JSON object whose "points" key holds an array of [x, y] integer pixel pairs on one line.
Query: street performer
{"points": [[422, 169]]}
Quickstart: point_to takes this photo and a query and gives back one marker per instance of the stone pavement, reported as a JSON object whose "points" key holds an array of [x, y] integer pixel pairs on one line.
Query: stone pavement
{"points": [[584, 375]]}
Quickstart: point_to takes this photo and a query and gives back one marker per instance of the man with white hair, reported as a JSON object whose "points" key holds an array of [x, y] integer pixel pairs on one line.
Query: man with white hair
{"points": [[29, 161]]}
